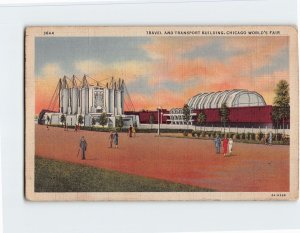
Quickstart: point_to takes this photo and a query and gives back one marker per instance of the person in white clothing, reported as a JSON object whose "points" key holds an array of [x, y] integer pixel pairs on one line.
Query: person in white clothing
{"points": [[230, 144]]}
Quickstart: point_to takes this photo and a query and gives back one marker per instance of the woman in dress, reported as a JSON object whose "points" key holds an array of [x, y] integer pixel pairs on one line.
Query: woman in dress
{"points": [[225, 145], [111, 138], [130, 131]]}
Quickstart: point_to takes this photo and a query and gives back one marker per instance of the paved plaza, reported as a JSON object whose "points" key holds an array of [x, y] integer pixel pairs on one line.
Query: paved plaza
{"points": [[251, 168]]}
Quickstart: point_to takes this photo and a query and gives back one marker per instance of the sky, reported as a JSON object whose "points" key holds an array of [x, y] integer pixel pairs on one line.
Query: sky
{"points": [[163, 71]]}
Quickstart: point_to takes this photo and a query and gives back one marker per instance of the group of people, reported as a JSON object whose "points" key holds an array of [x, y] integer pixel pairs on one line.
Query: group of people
{"points": [[131, 131], [77, 127], [113, 139], [227, 145]]}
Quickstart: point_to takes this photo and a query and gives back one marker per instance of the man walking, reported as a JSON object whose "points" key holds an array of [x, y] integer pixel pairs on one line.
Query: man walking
{"points": [[83, 147], [218, 144], [116, 139]]}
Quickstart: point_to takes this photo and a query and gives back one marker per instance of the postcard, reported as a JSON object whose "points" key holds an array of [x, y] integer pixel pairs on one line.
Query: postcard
{"points": [[161, 113]]}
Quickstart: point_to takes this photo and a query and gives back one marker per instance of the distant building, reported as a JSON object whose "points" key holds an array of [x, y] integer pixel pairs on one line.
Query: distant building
{"points": [[211, 102], [246, 109]]}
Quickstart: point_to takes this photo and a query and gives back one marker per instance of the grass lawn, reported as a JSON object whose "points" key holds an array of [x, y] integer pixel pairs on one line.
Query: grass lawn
{"points": [[57, 176]]}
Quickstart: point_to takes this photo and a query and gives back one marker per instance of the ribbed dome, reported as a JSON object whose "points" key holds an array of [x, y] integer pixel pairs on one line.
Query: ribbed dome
{"points": [[232, 98]]}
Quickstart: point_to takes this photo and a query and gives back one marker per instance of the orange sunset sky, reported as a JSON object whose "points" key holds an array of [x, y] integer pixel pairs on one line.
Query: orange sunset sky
{"points": [[164, 71]]}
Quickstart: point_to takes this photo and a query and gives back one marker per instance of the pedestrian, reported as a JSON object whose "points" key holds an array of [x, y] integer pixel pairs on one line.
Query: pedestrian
{"points": [[75, 128], [266, 139], [130, 131], [225, 145], [230, 145], [83, 147], [111, 138], [133, 131], [116, 139], [218, 144], [48, 122], [270, 138]]}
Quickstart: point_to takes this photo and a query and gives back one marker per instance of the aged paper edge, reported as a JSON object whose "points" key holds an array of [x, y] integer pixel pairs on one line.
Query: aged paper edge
{"points": [[63, 31]]}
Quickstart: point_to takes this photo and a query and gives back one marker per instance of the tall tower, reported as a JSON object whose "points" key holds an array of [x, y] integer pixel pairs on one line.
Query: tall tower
{"points": [[64, 96], [74, 96], [84, 96]]}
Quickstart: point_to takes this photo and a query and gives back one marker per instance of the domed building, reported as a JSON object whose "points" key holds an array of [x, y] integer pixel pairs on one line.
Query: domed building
{"points": [[232, 98], [247, 108]]}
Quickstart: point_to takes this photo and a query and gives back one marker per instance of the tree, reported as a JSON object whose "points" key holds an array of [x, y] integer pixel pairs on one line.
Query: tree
{"points": [[275, 117], [281, 104], [80, 119], [93, 122], [103, 119], [186, 114], [151, 119], [119, 122], [63, 119], [201, 118], [224, 114]]}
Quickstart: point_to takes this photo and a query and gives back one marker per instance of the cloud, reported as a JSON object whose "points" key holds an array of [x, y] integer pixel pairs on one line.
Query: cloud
{"points": [[161, 98], [177, 68], [45, 85], [50, 70], [215, 50], [168, 47], [128, 70]]}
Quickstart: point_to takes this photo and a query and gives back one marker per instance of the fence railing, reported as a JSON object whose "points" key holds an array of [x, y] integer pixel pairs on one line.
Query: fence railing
{"points": [[212, 128]]}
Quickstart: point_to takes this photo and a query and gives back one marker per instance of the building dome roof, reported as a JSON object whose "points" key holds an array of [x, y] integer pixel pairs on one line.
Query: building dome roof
{"points": [[232, 98]]}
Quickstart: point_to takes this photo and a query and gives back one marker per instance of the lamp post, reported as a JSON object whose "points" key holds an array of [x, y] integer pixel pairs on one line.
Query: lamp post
{"points": [[158, 122]]}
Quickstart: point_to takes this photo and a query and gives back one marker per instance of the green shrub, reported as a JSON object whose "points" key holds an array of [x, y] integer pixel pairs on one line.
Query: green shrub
{"points": [[286, 140], [247, 136], [214, 134], [278, 136], [230, 135], [260, 136], [243, 136]]}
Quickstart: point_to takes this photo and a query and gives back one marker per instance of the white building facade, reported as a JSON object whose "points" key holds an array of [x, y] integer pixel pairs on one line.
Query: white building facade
{"points": [[80, 98]]}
